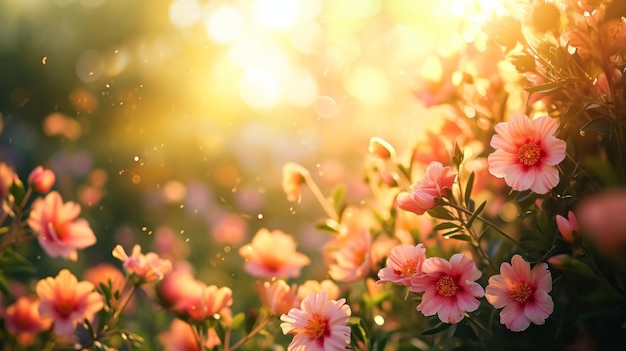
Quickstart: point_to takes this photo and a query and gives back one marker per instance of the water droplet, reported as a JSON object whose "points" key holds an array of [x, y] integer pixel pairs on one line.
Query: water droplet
{"points": [[227, 249], [136, 158], [143, 229], [259, 216], [187, 240], [44, 59]]}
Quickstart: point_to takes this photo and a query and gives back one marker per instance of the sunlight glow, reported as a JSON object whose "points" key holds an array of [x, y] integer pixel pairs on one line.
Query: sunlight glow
{"points": [[224, 25], [276, 14]]}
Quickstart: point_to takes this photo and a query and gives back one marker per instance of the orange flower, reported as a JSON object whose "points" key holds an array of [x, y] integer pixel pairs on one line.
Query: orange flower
{"points": [[294, 176], [67, 301], [23, 319]]}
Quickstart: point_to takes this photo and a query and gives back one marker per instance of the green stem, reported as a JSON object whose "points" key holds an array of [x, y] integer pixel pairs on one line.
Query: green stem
{"points": [[248, 336], [489, 223]]}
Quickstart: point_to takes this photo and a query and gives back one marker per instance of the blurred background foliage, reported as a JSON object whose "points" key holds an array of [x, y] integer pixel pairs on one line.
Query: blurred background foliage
{"points": [[169, 120]]}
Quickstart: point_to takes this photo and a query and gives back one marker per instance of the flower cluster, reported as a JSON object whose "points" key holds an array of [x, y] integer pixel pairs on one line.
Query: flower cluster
{"points": [[502, 229]]}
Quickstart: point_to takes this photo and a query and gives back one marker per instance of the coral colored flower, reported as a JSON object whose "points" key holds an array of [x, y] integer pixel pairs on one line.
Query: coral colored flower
{"points": [[349, 256], [273, 255], [319, 324], [210, 301], [60, 233], [67, 301], [278, 296], [23, 320], [404, 263], [449, 287], [294, 176], [522, 292], [313, 286], [41, 179], [422, 196], [181, 337], [147, 268], [175, 288], [567, 226], [527, 153]]}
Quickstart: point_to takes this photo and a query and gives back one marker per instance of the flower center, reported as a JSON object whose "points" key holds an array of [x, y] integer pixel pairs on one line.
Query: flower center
{"points": [[65, 307], [529, 153], [521, 292], [408, 270], [317, 328], [446, 286]]}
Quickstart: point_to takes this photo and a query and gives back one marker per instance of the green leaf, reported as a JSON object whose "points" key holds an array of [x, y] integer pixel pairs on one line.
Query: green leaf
{"points": [[446, 225], [451, 232], [328, 226], [436, 329], [441, 213], [462, 237], [468, 188], [602, 125], [238, 320], [337, 196], [546, 88], [359, 331], [476, 213]]}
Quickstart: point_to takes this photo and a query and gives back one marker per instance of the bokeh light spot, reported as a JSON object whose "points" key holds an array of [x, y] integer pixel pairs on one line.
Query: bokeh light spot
{"points": [[326, 107], [224, 25]]}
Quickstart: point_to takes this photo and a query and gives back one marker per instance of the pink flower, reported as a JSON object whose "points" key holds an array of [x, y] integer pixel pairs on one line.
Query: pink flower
{"points": [[423, 193], [278, 296], [294, 176], [404, 263], [602, 222], [23, 320], [60, 233], [175, 288], [567, 226], [523, 293], [181, 337], [273, 255], [41, 179], [527, 153], [146, 268], [67, 301], [210, 301], [449, 287], [313, 286], [319, 324], [349, 255]]}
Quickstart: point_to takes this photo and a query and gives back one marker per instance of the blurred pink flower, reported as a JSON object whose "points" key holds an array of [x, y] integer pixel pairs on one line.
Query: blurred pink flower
{"points": [[41, 179], [175, 288], [229, 229], [449, 287], [294, 176], [313, 286], [60, 233], [278, 296], [523, 293], [567, 226], [527, 153], [349, 256], [319, 324], [67, 301], [422, 196], [601, 220], [404, 263], [273, 255], [210, 301], [23, 320], [146, 268], [181, 337]]}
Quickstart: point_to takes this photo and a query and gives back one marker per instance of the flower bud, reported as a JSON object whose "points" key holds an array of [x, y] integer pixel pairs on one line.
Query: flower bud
{"points": [[381, 148], [41, 180]]}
